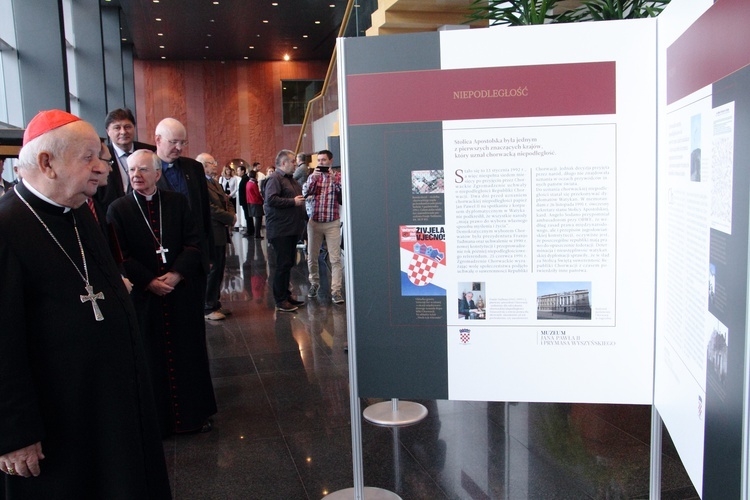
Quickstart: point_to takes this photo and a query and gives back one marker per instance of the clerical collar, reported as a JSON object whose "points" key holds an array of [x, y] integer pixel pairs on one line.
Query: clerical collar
{"points": [[44, 198], [148, 197], [165, 165]]}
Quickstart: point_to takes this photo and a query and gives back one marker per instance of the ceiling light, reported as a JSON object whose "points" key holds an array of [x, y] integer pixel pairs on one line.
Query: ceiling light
{"points": [[209, 34], [295, 48], [163, 57], [158, 19], [216, 3], [251, 47], [317, 22], [332, 6], [124, 39], [161, 46], [265, 21], [304, 36], [206, 46], [160, 34], [155, 1], [246, 57], [275, 4]]}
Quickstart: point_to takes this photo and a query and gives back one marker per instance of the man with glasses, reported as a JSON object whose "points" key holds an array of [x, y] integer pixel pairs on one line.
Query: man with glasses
{"points": [[120, 125], [77, 412], [185, 176]]}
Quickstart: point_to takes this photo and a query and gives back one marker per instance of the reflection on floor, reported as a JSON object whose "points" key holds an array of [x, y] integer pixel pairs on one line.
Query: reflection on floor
{"points": [[282, 431]]}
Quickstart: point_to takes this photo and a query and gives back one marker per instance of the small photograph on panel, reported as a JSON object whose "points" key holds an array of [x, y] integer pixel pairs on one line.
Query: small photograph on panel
{"points": [[695, 148], [471, 300], [717, 353], [563, 300], [711, 283], [427, 182]]}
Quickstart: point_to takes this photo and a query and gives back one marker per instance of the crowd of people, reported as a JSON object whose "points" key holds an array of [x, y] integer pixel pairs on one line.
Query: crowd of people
{"points": [[113, 255]]}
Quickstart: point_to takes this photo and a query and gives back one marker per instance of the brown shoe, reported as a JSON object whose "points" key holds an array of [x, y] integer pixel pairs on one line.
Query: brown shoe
{"points": [[286, 306]]}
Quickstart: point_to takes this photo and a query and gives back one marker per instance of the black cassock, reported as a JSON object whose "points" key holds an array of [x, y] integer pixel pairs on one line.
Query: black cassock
{"points": [[173, 327], [78, 385]]}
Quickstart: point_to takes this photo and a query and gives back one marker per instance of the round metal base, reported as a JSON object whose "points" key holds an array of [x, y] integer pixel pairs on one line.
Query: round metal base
{"points": [[408, 413], [370, 494]]}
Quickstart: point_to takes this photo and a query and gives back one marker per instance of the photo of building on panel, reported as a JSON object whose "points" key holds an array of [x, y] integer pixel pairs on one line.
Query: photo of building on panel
{"points": [[563, 300]]}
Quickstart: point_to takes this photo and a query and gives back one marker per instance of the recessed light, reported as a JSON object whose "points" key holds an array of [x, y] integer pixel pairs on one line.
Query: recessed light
{"points": [[161, 46], [124, 39], [275, 4], [155, 1], [160, 34], [265, 21], [206, 46], [251, 47], [295, 48], [158, 19], [304, 36], [317, 22], [332, 6], [209, 35], [211, 21], [163, 57], [216, 3], [246, 57]]}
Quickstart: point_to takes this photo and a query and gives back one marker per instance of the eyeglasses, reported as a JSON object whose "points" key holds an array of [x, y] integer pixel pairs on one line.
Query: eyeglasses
{"points": [[175, 142], [109, 162]]}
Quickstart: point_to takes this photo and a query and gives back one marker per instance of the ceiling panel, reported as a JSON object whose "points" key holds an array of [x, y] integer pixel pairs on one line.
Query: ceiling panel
{"points": [[226, 29]]}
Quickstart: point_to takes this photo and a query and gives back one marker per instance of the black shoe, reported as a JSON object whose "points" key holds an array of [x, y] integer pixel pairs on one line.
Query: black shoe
{"points": [[206, 427], [297, 303]]}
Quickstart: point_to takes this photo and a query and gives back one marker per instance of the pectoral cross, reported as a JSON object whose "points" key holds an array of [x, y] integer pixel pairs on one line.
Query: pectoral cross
{"points": [[162, 251], [93, 297]]}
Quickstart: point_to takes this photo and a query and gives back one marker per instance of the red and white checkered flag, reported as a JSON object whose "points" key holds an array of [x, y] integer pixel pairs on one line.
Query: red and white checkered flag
{"points": [[421, 270]]}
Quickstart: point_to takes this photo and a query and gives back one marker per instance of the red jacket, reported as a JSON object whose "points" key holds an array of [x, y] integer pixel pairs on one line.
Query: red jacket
{"points": [[253, 193]]}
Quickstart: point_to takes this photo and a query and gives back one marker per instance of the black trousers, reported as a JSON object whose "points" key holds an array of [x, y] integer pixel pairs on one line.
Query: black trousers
{"points": [[215, 277], [286, 249]]}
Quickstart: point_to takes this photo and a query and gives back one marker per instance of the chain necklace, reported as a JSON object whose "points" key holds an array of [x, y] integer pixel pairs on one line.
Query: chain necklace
{"points": [[162, 251], [90, 295]]}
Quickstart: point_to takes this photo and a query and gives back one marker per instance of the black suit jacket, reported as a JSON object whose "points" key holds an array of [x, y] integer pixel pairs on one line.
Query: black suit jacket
{"points": [[198, 201], [114, 188]]}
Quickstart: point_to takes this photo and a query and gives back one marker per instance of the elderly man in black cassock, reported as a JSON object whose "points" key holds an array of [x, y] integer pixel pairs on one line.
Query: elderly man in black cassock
{"points": [[162, 258], [77, 415]]}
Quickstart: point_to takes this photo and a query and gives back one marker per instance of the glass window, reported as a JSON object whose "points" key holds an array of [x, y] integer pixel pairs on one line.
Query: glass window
{"points": [[295, 95]]}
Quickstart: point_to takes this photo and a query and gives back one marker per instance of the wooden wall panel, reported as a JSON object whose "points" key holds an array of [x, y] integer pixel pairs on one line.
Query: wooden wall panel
{"points": [[231, 109]]}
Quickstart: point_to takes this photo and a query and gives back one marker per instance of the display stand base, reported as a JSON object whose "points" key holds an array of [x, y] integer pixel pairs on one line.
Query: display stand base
{"points": [[395, 413], [370, 494]]}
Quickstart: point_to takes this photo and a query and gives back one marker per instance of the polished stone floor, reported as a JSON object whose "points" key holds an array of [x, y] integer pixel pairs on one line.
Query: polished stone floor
{"points": [[282, 430]]}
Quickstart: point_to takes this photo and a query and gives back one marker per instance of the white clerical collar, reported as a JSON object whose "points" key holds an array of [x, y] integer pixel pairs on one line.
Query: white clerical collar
{"points": [[120, 152], [44, 198]]}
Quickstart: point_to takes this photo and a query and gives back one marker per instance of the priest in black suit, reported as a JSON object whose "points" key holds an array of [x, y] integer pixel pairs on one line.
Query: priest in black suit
{"points": [[77, 417], [120, 125], [185, 176], [162, 258]]}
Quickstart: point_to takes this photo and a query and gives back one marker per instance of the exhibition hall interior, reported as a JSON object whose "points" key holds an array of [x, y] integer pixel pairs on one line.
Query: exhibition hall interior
{"points": [[239, 75]]}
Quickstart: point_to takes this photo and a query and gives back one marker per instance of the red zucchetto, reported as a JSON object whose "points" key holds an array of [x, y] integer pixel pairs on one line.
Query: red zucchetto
{"points": [[45, 121]]}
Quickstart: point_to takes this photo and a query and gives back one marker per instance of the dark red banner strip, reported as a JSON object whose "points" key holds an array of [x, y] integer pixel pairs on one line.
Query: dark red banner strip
{"points": [[715, 46], [459, 94]]}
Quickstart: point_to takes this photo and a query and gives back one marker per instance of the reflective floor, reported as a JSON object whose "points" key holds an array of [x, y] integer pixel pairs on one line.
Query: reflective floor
{"points": [[282, 430]]}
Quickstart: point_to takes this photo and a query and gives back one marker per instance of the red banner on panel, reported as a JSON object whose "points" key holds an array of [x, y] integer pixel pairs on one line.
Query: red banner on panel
{"points": [[505, 92], [693, 63]]}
